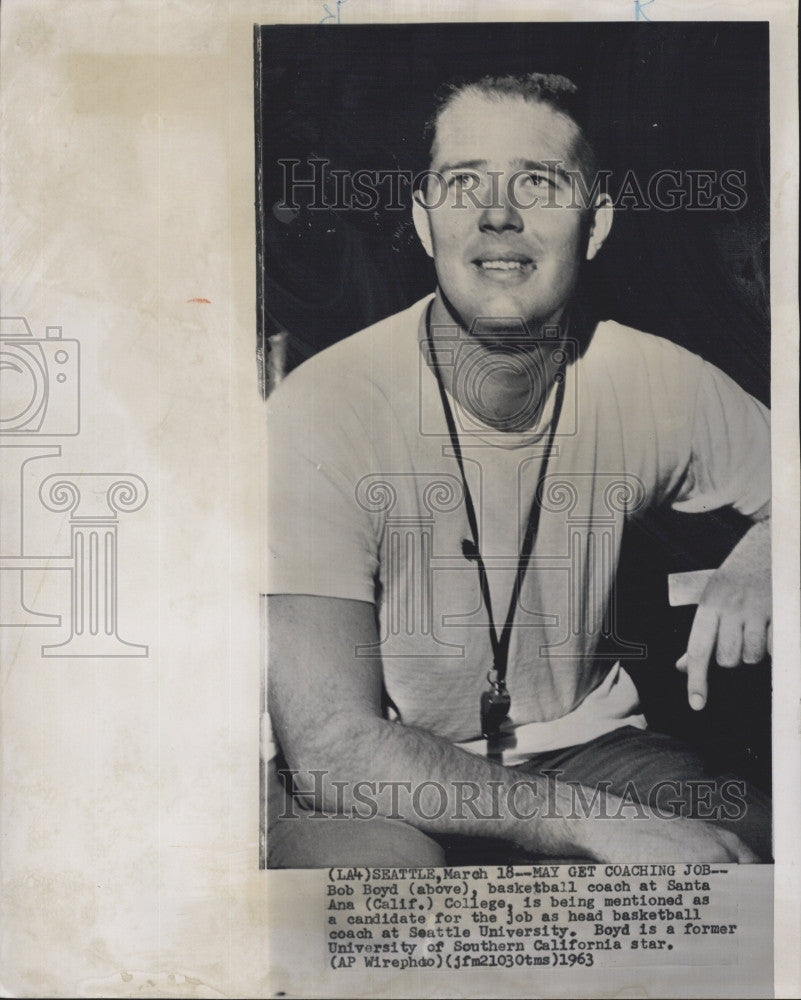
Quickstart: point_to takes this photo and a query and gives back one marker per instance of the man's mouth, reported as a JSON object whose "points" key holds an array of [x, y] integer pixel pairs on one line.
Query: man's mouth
{"points": [[505, 264]]}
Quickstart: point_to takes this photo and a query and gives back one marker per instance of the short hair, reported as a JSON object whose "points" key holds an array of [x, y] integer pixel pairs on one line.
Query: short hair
{"points": [[552, 89]]}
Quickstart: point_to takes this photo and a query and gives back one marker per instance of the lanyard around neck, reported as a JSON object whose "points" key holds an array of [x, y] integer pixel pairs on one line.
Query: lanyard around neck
{"points": [[471, 548]]}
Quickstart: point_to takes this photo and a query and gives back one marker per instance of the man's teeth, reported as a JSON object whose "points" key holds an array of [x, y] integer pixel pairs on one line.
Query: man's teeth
{"points": [[502, 265]]}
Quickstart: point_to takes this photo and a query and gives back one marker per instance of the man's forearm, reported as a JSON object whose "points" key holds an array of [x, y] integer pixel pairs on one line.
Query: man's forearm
{"points": [[753, 549], [375, 767]]}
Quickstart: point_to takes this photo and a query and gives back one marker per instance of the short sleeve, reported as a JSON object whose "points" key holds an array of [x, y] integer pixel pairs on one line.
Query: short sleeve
{"points": [[319, 541], [730, 449]]}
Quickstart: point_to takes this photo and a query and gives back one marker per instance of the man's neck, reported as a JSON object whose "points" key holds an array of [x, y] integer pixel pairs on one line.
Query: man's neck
{"points": [[502, 381]]}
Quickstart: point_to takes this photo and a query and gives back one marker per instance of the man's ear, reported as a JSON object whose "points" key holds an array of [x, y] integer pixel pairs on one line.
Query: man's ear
{"points": [[422, 225], [602, 217]]}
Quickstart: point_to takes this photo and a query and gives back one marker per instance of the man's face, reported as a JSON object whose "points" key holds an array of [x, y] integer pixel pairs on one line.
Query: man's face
{"points": [[499, 251]]}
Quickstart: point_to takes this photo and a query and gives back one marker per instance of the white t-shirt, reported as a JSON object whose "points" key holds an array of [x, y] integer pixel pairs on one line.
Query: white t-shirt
{"points": [[365, 502], [511, 468]]}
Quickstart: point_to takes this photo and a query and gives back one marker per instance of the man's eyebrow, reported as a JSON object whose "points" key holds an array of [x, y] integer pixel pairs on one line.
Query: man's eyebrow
{"points": [[544, 166], [462, 165]]}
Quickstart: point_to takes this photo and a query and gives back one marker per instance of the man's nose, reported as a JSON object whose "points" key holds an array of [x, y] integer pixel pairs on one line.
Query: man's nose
{"points": [[500, 215], [499, 212]]}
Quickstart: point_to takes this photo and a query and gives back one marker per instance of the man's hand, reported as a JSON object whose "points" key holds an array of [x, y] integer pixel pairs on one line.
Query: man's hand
{"points": [[651, 838], [734, 614]]}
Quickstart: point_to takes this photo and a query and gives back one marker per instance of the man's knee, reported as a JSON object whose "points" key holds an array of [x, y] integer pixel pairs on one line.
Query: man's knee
{"points": [[320, 841]]}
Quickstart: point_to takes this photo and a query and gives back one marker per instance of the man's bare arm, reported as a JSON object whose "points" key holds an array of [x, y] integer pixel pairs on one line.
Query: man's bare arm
{"points": [[325, 704], [326, 709]]}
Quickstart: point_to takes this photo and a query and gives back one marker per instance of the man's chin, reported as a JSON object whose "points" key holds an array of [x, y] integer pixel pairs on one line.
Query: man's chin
{"points": [[499, 319]]}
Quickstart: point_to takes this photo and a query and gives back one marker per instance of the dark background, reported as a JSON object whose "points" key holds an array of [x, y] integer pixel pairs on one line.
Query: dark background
{"points": [[660, 96]]}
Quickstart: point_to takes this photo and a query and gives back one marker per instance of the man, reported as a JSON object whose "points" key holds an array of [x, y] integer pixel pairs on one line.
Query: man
{"points": [[447, 494]]}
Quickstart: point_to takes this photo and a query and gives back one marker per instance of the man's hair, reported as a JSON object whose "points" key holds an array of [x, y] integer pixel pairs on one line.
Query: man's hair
{"points": [[552, 89]]}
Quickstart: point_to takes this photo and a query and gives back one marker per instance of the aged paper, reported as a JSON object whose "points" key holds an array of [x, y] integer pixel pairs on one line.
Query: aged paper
{"points": [[132, 682]]}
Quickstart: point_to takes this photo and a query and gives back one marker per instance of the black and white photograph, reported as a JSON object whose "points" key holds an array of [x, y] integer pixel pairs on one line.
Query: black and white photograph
{"points": [[516, 295]]}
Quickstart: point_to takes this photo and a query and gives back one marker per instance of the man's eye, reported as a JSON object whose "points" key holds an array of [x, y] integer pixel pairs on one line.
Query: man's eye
{"points": [[462, 179], [536, 180]]}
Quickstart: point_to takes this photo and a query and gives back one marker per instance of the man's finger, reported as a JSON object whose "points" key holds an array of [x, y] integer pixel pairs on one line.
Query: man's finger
{"points": [[754, 639], [730, 641], [699, 648]]}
